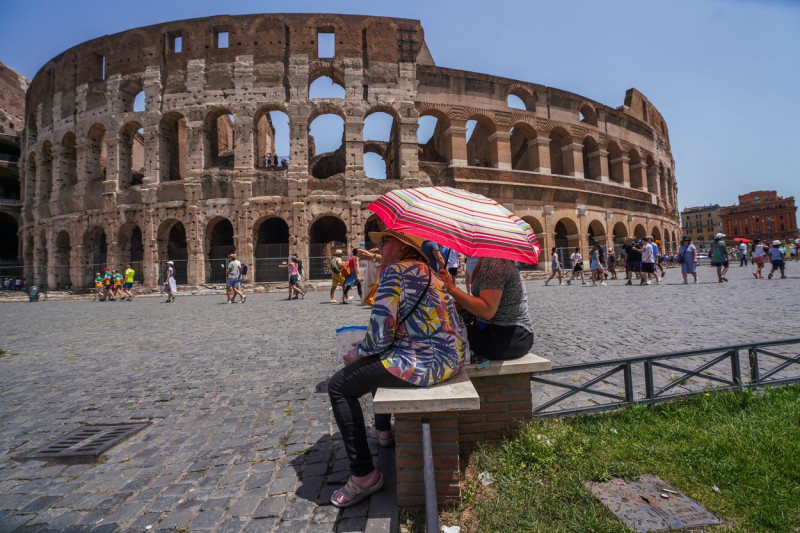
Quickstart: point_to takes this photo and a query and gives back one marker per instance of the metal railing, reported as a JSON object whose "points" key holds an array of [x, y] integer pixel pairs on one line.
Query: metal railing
{"points": [[652, 379]]}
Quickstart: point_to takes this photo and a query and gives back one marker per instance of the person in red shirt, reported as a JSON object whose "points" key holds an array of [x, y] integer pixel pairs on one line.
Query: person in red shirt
{"points": [[353, 278]]}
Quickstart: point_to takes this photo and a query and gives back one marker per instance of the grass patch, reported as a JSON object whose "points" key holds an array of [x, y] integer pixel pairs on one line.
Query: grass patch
{"points": [[745, 444]]}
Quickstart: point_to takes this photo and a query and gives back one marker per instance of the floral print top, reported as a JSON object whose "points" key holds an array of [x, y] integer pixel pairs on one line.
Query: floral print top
{"points": [[430, 346]]}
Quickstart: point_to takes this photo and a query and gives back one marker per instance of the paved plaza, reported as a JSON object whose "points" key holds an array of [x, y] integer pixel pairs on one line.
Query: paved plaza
{"points": [[241, 437]]}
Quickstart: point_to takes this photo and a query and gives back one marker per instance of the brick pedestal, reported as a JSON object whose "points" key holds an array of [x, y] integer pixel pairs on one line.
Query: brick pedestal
{"points": [[505, 404]]}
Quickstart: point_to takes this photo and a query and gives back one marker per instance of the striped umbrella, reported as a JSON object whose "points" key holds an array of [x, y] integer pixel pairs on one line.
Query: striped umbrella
{"points": [[466, 222]]}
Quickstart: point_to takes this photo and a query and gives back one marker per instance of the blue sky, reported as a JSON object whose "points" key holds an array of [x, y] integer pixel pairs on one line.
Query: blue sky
{"points": [[724, 73]]}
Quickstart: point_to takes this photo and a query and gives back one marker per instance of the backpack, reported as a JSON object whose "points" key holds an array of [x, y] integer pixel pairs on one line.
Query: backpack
{"points": [[601, 253], [345, 269], [300, 268], [335, 266], [244, 270]]}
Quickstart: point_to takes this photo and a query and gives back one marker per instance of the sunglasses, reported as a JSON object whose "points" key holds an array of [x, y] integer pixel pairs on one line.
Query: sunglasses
{"points": [[383, 240]]}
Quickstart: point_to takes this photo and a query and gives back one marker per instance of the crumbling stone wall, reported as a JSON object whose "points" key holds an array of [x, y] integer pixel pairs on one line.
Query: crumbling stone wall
{"points": [[184, 177]]}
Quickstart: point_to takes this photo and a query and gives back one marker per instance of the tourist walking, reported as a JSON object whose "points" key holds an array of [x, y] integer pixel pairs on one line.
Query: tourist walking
{"points": [[633, 259], [760, 251], [687, 257], [98, 288], [294, 274], [353, 279], [336, 274], [648, 262], [596, 264], [414, 339], [233, 280], [577, 266], [117, 289], [127, 286], [743, 255], [719, 256], [108, 284], [612, 263], [777, 252], [433, 254], [170, 285], [555, 267]]}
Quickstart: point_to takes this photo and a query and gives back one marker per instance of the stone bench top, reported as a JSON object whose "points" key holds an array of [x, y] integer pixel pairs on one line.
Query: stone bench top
{"points": [[524, 365], [456, 394]]}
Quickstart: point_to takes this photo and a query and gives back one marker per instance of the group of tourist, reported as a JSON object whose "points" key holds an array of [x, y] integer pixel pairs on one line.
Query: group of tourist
{"points": [[270, 161], [113, 285], [13, 284]]}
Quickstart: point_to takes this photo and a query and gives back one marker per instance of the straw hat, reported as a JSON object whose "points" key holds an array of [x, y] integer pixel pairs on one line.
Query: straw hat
{"points": [[405, 238], [338, 252]]}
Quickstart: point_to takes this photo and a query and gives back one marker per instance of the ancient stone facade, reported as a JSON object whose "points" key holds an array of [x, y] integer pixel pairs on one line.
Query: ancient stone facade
{"points": [[12, 116], [185, 177]]}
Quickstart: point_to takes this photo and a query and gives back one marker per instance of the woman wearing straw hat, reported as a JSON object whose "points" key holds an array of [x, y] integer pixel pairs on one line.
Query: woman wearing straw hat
{"points": [[403, 347]]}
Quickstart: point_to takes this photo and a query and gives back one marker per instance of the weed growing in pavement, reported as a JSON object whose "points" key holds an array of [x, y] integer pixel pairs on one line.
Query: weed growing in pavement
{"points": [[744, 443]]}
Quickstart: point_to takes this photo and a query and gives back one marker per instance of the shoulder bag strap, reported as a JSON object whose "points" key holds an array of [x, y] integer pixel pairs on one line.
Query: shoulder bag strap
{"points": [[422, 295]]}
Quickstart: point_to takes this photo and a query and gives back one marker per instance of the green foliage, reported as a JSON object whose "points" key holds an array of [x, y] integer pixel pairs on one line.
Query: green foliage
{"points": [[744, 443]]}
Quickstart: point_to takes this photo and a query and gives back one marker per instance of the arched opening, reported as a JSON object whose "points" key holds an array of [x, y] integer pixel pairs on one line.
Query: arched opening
{"points": [[9, 185], [68, 162], [131, 155], [218, 139], [432, 143], [620, 234], [479, 147], [219, 243], [515, 102], [139, 102], [652, 176], [61, 258], [326, 146], [325, 87], [325, 235], [96, 252], [31, 183], [596, 233], [558, 140], [519, 98], [172, 247], [538, 229], [523, 156], [591, 159], [373, 223], [172, 138], [614, 163], [96, 156], [381, 146], [656, 233], [272, 249], [566, 238], [639, 232], [131, 248], [131, 95], [636, 169], [272, 148], [9, 240], [588, 115]]}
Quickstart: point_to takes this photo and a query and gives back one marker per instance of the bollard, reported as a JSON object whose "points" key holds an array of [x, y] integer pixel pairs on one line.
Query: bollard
{"points": [[33, 294]]}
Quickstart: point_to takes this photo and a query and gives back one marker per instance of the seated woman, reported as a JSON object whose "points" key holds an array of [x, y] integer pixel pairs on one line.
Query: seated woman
{"points": [[502, 328], [403, 347]]}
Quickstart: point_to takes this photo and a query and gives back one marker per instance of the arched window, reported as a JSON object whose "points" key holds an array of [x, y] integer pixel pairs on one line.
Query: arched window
{"points": [[326, 146], [218, 139], [325, 87], [381, 146], [272, 150], [432, 143], [172, 147]]}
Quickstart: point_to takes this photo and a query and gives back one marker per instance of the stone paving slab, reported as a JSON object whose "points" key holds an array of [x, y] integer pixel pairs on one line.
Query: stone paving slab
{"points": [[241, 435]]}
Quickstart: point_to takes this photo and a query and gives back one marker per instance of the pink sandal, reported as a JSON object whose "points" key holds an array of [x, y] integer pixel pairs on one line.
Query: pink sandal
{"points": [[354, 492]]}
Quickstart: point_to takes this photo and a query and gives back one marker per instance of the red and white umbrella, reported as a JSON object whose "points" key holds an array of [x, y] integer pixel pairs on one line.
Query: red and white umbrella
{"points": [[466, 222]]}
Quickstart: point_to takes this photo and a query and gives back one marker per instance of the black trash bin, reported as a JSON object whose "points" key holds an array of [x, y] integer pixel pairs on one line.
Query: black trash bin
{"points": [[33, 294]]}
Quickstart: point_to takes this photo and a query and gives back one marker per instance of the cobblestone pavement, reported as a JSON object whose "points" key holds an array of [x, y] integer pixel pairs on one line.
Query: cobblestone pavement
{"points": [[241, 435]]}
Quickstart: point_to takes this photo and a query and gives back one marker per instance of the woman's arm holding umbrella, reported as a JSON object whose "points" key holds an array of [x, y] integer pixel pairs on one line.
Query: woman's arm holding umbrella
{"points": [[483, 306]]}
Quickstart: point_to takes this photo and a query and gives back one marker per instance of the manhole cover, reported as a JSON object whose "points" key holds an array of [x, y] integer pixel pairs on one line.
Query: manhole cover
{"points": [[651, 504], [84, 445]]}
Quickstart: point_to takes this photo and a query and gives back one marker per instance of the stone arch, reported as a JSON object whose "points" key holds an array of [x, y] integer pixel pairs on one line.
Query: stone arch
{"points": [[437, 148], [271, 239], [131, 248], [219, 243], [131, 91], [325, 234], [615, 163], [68, 161], [131, 155], [636, 169], [523, 156], [172, 147], [596, 232], [566, 236], [96, 154], [525, 94], [559, 139], [95, 246], [591, 158], [327, 162], [218, 138], [267, 139], [587, 115], [656, 233], [652, 175], [639, 231], [479, 145], [620, 233], [326, 81], [61, 259], [389, 139], [172, 246], [538, 230], [9, 238]]}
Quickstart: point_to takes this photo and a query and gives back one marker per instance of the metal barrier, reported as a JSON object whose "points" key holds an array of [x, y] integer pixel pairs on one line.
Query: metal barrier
{"points": [[757, 356]]}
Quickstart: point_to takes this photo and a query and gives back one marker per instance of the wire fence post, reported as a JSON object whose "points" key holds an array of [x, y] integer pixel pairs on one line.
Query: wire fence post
{"points": [[755, 373], [736, 371]]}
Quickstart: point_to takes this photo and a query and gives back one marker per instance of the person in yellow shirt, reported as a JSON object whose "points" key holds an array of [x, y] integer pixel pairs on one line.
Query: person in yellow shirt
{"points": [[98, 288], [127, 287]]}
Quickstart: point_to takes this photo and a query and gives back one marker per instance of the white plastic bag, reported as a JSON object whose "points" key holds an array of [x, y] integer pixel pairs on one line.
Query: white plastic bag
{"points": [[346, 338]]}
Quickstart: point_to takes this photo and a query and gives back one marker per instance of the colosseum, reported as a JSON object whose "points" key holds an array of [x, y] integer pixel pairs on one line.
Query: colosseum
{"points": [[191, 139]]}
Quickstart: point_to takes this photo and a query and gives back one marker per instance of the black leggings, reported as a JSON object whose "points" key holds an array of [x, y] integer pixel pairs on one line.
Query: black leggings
{"points": [[499, 342]]}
